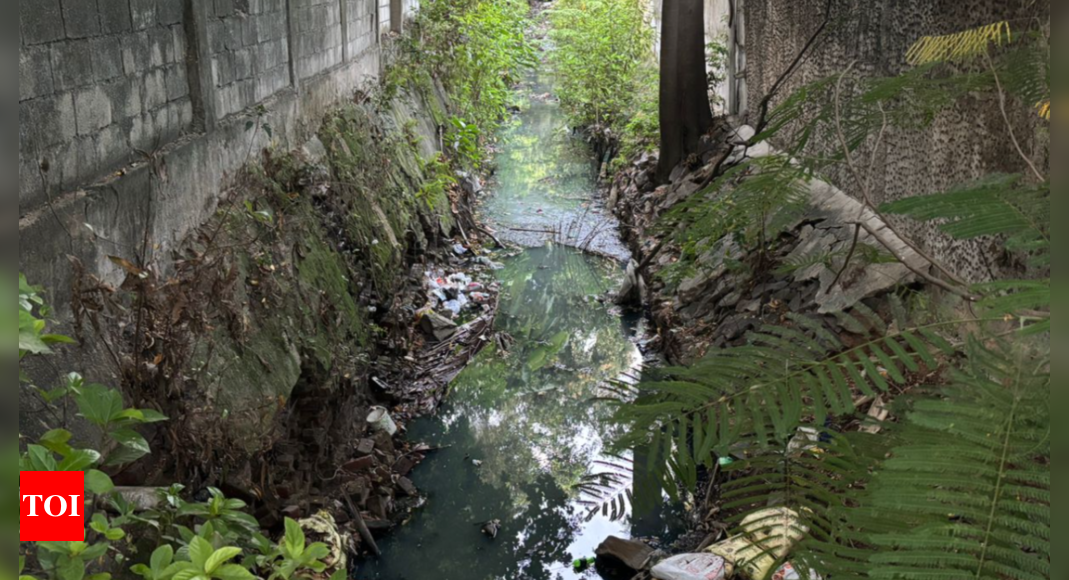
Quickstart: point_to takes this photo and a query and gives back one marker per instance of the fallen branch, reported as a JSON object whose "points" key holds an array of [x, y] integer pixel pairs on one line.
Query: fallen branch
{"points": [[361, 527]]}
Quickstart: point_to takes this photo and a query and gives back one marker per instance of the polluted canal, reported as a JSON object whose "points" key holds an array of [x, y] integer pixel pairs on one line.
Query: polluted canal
{"points": [[520, 430]]}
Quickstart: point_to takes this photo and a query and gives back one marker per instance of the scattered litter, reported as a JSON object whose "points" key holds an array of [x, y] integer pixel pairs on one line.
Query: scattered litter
{"points": [[459, 249], [476, 463], [380, 420], [765, 538], [807, 439], [584, 564], [691, 567], [788, 572], [492, 528]]}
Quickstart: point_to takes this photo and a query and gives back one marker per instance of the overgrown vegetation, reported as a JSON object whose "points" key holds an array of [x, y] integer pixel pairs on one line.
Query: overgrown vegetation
{"points": [[960, 486], [607, 70], [476, 48], [178, 539]]}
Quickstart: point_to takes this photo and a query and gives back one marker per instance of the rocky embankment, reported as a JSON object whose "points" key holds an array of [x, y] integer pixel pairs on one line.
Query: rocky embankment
{"points": [[730, 290]]}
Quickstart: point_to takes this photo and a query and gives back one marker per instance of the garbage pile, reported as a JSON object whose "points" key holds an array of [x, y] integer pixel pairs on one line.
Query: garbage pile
{"points": [[456, 298], [765, 538]]}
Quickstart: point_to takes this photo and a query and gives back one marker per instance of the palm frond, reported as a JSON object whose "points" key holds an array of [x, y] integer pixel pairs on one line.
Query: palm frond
{"points": [[959, 46]]}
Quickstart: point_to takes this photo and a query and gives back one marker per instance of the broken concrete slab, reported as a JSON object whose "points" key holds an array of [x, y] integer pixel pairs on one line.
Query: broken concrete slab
{"points": [[616, 551], [437, 326]]}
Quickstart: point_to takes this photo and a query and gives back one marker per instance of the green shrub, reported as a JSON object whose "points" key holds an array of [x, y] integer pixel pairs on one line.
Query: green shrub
{"points": [[606, 69]]}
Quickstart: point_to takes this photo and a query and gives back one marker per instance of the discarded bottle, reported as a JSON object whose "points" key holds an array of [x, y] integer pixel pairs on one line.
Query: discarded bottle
{"points": [[583, 564]]}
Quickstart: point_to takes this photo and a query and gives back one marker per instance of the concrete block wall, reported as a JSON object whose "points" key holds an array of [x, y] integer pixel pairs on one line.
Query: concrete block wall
{"points": [[97, 81], [105, 83], [250, 52], [318, 29], [362, 24], [102, 83]]}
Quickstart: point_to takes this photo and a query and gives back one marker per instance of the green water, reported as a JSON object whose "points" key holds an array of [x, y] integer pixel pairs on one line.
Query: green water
{"points": [[529, 419], [546, 179], [521, 428]]}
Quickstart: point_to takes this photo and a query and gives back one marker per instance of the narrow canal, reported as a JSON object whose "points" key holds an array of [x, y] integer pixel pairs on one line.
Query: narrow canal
{"points": [[521, 429]]}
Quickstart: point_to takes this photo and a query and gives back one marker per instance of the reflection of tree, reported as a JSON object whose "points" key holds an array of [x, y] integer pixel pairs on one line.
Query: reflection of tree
{"points": [[444, 542], [532, 426]]}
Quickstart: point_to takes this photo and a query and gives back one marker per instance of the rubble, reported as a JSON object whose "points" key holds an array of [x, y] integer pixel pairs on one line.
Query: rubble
{"points": [[631, 554]]}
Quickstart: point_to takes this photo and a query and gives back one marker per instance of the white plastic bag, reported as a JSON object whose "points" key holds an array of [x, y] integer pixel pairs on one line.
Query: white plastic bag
{"points": [[788, 572], [691, 567]]}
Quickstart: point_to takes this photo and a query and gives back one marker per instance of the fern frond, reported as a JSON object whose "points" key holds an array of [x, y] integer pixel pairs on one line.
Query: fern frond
{"points": [[960, 46], [973, 477], [695, 414], [996, 205]]}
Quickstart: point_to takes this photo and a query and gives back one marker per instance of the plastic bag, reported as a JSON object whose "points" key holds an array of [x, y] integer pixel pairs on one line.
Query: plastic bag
{"points": [[787, 572], [692, 567]]}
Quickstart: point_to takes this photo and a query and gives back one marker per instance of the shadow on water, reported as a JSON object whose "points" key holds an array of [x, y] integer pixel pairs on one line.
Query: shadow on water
{"points": [[521, 432]]}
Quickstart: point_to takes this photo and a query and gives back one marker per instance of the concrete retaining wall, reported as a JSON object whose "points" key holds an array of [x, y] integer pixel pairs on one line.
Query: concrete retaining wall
{"points": [[964, 142], [106, 84]]}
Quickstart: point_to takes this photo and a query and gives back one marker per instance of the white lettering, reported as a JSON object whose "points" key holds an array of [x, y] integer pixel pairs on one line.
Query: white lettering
{"points": [[48, 506], [74, 506], [33, 503]]}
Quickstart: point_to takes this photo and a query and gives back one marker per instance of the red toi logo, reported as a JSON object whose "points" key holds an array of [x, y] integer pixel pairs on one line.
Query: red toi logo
{"points": [[53, 506]]}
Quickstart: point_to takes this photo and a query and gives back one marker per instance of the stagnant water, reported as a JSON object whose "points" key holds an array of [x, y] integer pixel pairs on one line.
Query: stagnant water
{"points": [[521, 429]]}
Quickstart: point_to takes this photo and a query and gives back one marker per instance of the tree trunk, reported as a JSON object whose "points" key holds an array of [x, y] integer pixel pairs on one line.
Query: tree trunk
{"points": [[685, 111]]}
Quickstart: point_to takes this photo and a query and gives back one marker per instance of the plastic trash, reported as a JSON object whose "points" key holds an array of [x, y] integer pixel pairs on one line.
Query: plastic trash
{"points": [[380, 420], [787, 572], [584, 564], [691, 567]]}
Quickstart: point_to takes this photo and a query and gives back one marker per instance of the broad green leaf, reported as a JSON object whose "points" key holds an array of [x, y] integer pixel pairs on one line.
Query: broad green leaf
{"points": [[233, 572], [294, 538], [98, 482], [79, 460], [41, 459], [199, 552], [131, 439], [68, 568], [99, 404], [220, 557], [161, 560]]}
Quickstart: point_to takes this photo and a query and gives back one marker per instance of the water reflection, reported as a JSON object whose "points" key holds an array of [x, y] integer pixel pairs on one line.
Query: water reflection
{"points": [[527, 418], [546, 177]]}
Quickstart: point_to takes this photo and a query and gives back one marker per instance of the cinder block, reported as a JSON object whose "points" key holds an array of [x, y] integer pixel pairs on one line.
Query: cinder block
{"points": [[177, 83], [143, 13], [77, 161], [161, 44], [125, 97], [115, 16], [143, 133], [170, 12], [113, 145], [93, 110], [41, 21], [72, 64], [107, 58], [217, 36], [224, 8], [81, 18], [35, 72], [136, 56], [155, 91], [179, 34]]}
